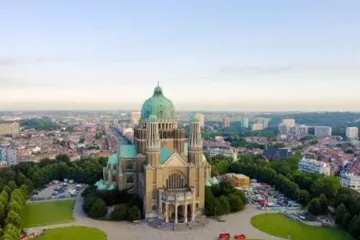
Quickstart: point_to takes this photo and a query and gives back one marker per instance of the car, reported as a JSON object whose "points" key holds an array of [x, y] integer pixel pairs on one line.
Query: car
{"points": [[221, 219]]}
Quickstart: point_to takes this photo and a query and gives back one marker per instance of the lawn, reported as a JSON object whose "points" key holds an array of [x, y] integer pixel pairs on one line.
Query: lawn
{"points": [[73, 233], [47, 213], [279, 225]]}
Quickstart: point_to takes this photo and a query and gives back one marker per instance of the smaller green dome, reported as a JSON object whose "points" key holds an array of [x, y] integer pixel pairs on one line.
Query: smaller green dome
{"points": [[208, 184], [195, 118], [113, 160], [112, 187], [214, 181], [153, 118], [101, 187]]}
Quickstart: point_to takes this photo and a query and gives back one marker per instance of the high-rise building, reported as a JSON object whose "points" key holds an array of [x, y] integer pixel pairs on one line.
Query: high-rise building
{"points": [[9, 128], [263, 121], [226, 122], [244, 122], [299, 130], [322, 131], [9, 155], [288, 122], [201, 119], [135, 118], [352, 132], [257, 127], [166, 170]]}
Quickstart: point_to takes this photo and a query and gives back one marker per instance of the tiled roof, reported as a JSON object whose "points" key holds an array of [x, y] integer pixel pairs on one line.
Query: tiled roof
{"points": [[127, 151]]}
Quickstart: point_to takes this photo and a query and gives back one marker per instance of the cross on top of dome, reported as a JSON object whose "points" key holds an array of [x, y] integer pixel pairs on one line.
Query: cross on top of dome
{"points": [[158, 89]]}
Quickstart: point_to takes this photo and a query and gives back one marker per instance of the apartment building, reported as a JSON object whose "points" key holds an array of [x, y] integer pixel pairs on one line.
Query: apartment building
{"points": [[244, 122], [350, 176], [226, 122], [8, 155], [352, 132], [263, 121], [9, 128], [313, 166], [257, 127], [323, 131]]}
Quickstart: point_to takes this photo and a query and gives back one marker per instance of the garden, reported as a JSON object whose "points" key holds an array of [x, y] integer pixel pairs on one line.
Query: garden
{"points": [[73, 233]]}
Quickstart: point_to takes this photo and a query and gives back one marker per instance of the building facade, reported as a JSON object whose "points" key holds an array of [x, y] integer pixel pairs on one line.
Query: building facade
{"points": [[288, 122], [9, 128], [226, 122], [322, 131], [352, 132], [350, 176], [166, 170], [244, 122], [201, 119], [237, 180], [135, 118], [263, 121], [257, 127], [9, 156], [313, 166]]}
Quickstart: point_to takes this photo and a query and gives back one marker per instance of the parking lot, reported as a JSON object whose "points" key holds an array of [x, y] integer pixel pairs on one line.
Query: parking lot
{"points": [[57, 190]]}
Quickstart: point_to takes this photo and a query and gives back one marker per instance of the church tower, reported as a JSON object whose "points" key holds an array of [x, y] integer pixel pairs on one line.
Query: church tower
{"points": [[153, 143], [195, 142]]}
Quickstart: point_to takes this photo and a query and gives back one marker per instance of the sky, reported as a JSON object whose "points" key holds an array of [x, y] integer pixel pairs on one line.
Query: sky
{"points": [[236, 55]]}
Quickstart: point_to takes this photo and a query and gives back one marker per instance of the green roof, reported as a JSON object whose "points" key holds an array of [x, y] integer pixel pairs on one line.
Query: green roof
{"points": [[164, 155], [112, 187], [113, 160], [214, 181], [195, 118], [158, 105], [153, 118], [127, 151]]}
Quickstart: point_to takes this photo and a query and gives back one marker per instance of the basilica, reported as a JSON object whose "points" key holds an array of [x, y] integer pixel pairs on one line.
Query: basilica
{"points": [[164, 167]]}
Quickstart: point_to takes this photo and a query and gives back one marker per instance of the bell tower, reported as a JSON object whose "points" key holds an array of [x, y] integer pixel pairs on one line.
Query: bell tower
{"points": [[153, 143], [195, 142]]}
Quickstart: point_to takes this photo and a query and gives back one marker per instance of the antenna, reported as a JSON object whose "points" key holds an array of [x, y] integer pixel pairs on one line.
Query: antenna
{"points": [[158, 84]]}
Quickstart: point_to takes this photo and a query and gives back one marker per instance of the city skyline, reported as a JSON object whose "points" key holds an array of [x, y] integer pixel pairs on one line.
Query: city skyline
{"points": [[207, 55]]}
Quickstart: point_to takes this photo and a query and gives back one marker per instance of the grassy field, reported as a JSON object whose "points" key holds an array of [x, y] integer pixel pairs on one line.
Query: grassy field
{"points": [[279, 225], [47, 213], [73, 233]]}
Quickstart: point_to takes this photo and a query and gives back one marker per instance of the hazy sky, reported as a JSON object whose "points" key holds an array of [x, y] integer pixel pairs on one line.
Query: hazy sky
{"points": [[207, 54]]}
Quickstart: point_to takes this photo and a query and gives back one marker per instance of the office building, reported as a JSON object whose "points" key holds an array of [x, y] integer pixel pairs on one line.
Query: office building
{"points": [[313, 166], [350, 176], [226, 122], [201, 119], [322, 131], [244, 122], [257, 127], [135, 118], [352, 132], [9, 128], [237, 180], [166, 170]]}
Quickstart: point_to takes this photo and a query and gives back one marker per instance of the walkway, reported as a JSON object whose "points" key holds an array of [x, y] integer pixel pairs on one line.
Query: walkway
{"points": [[235, 223]]}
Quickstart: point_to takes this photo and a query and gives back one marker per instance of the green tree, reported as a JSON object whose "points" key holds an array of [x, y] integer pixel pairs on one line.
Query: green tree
{"points": [[235, 203], [89, 201], [224, 205], [340, 213], [328, 185], [98, 209], [13, 218], [119, 212], [323, 203], [303, 197], [315, 206], [133, 213]]}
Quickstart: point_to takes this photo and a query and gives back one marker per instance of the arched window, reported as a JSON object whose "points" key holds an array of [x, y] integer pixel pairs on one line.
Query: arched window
{"points": [[175, 181], [129, 165], [130, 179]]}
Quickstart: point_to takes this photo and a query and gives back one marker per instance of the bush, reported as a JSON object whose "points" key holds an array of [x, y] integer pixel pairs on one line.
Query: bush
{"points": [[98, 209], [88, 202], [119, 212], [133, 213], [235, 203]]}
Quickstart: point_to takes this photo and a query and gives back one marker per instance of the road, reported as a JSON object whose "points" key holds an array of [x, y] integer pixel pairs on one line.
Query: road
{"points": [[235, 223]]}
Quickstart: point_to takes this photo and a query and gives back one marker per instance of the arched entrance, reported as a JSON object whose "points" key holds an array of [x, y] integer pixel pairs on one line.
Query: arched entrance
{"points": [[189, 212]]}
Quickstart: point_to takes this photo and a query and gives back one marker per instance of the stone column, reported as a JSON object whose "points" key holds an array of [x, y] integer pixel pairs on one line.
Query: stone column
{"points": [[160, 210], [193, 211], [167, 212], [176, 212], [185, 213]]}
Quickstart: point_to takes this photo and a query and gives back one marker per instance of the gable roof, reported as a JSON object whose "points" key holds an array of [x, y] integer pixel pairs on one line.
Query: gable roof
{"points": [[277, 153], [164, 155], [175, 161], [127, 151]]}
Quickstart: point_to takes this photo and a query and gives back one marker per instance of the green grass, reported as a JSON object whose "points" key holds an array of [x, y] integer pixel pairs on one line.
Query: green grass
{"points": [[279, 225], [47, 213], [68, 233]]}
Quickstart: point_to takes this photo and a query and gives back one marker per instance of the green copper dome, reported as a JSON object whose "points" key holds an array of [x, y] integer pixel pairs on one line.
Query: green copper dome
{"points": [[159, 106], [195, 118]]}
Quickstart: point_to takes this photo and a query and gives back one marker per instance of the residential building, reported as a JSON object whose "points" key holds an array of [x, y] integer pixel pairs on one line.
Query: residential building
{"points": [[352, 132], [350, 176], [201, 119], [166, 170], [322, 131], [263, 121], [276, 154], [288, 122], [226, 151], [299, 130], [135, 118], [244, 122], [237, 180], [9, 128], [9, 155], [257, 127], [283, 129], [314, 166], [226, 122]]}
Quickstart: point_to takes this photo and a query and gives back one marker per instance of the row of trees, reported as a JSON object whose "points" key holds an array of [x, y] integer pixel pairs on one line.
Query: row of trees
{"points": [[127, 206], [12, 203], [317, 192], [223, 199]]}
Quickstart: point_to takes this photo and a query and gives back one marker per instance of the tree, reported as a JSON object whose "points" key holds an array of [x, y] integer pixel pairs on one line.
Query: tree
{"points": [[303, 197], [323, 203], [13, 218], [89, 201], [133, 213], [119, 212], [329, 185], [346, 221], [224, 205], [355, 226], [235, 203], [314, 206], [98, 209], [340, 213]]}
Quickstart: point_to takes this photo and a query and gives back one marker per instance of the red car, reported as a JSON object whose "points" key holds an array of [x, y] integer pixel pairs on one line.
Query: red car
{"points": [[224, 236], [240, 236]]}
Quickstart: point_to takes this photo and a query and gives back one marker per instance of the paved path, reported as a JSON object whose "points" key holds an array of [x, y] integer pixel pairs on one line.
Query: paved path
{"points": [[235, 223]]}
